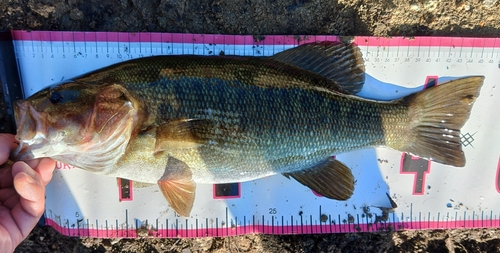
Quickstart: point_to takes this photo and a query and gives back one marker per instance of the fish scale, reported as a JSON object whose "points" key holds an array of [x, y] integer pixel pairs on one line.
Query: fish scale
{"points": [[266, 116]]}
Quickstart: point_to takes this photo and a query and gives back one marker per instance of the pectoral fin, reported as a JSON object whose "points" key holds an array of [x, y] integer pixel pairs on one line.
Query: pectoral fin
{"points": [[184, 133], [331, 179], [178, 187]]}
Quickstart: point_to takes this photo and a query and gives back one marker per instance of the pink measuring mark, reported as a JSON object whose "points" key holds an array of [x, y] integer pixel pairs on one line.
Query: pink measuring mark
{"points": [[418, 188], [216, 196], [324, 228], [125, 190], [428, 41], [250, 40], [497, 178]]}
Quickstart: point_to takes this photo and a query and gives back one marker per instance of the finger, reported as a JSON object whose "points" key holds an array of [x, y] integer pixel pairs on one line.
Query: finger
{"points": [[6, 177], [7, 143], [25, 220], [29, 188], [31, 192], [28, 178], [31, 202], [6, 193], [45, 169], [33, 163], [9, 223], [12, 200]]}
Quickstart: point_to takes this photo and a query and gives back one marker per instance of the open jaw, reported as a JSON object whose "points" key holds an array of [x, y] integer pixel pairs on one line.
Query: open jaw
{"points": [[32, 130], [70, 142]]}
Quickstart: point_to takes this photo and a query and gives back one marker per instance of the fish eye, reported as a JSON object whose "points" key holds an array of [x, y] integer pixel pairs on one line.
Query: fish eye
{"points": [[64, 96], [55, 97]]}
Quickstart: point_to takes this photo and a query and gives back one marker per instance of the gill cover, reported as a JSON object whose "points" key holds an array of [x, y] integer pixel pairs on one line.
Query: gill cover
{"points": [[87, 126]]}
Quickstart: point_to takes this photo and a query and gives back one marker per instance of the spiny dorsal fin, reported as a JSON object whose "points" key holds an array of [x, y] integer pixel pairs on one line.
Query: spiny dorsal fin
{"points": [[336, 61], [183, 133], [332, 179], [178, 187]]}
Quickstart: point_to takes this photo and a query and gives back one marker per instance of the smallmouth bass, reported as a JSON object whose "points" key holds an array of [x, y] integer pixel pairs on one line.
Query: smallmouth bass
{"points": [[177, 121]]}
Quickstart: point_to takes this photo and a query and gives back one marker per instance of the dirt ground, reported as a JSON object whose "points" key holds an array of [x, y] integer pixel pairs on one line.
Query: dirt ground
{"points": [[259, 17]]}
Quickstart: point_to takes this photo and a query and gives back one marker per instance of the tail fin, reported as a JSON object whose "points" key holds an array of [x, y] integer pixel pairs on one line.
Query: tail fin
{"points": [[436, 116]]}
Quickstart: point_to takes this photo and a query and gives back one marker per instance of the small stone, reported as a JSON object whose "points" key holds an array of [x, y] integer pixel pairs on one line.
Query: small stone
{"points": [[379, 29], [44, 10], [124, 3], [323, 218], [203, 244], [143, 232], [245, 244], [430, 4], [414, 7], [186, 250], [106, 243], [76, 14], [489, 3]]}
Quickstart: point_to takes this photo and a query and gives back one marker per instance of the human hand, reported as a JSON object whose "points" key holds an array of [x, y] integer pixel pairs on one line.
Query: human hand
{"points": [[22, 194]]}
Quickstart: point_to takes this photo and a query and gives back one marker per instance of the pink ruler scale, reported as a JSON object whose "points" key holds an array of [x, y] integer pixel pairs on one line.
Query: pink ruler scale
{"points": [[409, 62], [250, 40]]}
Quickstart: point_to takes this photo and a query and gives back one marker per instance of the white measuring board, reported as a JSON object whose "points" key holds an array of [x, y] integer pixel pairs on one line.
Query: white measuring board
{"points": [[427, 194]]}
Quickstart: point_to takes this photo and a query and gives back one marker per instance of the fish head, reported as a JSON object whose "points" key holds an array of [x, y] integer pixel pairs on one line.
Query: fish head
{"points": [[81, 124]]}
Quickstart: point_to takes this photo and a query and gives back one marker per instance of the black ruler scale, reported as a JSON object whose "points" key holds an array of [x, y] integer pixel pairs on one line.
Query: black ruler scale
{"points": [[9, 79]]}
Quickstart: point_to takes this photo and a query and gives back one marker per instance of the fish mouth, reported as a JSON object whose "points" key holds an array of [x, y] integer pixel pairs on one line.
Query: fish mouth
{"points": [[32, 129]]}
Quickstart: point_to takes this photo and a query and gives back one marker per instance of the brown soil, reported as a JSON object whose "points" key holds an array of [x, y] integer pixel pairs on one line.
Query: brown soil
{"points": [[259, 17]]}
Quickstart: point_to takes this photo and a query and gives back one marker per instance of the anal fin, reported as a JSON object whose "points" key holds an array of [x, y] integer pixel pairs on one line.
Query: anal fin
{"points": [[178, 187], [332, 179]]}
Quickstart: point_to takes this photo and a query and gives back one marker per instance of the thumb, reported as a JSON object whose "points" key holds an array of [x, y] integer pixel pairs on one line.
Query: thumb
{"points": [[30, 187]]}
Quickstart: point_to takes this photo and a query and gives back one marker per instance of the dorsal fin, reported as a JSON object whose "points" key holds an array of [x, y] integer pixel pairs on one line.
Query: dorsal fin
{"points": [[336, 61]]}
